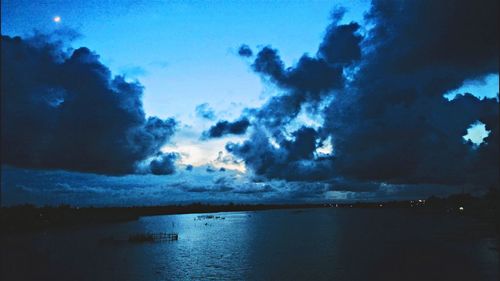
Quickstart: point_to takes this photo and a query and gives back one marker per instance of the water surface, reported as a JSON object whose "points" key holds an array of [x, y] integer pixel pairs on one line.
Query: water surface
{"points": [[313, 244]]}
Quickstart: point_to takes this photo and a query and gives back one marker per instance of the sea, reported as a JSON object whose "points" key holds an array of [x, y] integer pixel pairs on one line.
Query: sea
{"points": [[308, 244]]}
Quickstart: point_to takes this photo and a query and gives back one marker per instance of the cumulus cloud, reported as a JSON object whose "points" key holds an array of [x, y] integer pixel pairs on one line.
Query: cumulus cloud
{"points": [[289, 159], [164, 164], [341, 42], [245, 51], [224, 127], [380, 99], [393, 124], [64, 110]]}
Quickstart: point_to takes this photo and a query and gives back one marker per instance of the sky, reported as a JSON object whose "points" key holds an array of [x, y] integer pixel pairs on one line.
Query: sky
{"points": [[154, 102]]}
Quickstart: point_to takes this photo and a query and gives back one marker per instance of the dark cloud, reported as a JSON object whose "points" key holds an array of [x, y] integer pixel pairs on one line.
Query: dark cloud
{"points": [[204, 111], [306, 85], [311, 80], [223, 128], [393, 123], [381, 100], [245, 51], [344, 53], [164, 164], [292, 160], [64, 110], [307, 80]]}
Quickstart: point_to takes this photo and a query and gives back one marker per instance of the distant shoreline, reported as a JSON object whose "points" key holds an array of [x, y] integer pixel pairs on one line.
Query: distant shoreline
{"points": [[32, 218]]}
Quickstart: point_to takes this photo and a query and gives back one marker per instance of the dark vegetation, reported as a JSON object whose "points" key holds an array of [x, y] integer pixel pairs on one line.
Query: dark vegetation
{"points": [[30, 217]]}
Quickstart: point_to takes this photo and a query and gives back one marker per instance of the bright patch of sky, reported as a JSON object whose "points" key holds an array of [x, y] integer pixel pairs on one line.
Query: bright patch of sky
{"points": [[326, 149], [476, 133], [484, 87]]}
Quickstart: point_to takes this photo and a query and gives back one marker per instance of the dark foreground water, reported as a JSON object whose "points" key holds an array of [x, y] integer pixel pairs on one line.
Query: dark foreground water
{"points": [[318, 244]]}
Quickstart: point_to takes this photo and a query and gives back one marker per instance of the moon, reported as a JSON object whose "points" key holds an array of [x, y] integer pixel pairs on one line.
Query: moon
{"points": [[57, 19]]}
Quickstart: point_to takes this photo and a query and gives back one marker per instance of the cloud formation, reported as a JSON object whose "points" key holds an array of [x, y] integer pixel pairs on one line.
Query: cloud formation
{"points": [[392, 123], [222, 128], [64, 110], [375, 93], [245, 51], [205, 111], [379, 97], [293, 160], [164, 164]]}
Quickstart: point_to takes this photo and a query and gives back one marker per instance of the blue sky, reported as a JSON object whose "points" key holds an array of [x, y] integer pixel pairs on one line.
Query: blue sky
{"points": [[185, 53], [184, 48]]}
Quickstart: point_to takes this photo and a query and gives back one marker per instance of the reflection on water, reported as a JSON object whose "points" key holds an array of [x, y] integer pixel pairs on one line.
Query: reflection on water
{"points": [[322, 244]]}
